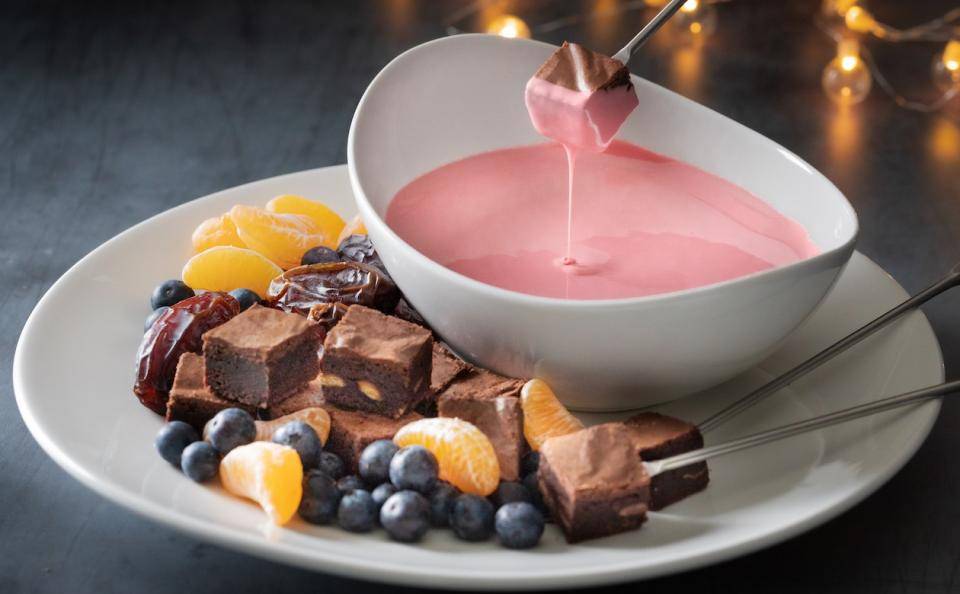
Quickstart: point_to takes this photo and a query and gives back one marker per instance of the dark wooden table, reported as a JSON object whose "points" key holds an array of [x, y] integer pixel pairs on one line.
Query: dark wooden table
{"points": [[113, 111]]}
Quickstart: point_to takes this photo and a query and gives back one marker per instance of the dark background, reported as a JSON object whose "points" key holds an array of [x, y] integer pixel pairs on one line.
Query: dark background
{"points": [[112, 112]]}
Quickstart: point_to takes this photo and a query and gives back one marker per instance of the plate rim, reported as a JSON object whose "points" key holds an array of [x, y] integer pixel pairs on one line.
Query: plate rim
{"points": [[396, 572]]}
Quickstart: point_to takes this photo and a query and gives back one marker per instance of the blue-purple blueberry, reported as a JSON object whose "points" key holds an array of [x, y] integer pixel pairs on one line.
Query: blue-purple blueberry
{"points": [[374, 463], [471, 517], [441, 501], [331, 465], [200, 461], [303, 438], [321, 498], [229, 428], [414, 467], [357, 511], [245, 297], [170, 293], [510, 492], [381, 493], [405, 516], [351, 482], [320, 255], [172, 438], [519, 525]]}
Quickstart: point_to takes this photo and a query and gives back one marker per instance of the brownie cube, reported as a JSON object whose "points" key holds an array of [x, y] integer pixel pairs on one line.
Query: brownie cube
{"points": [[492, 403], [261, 356], [190, 400], [351, 431], [660, 436], [376, 363], [446, 367], [308, 396], [594, 482]]}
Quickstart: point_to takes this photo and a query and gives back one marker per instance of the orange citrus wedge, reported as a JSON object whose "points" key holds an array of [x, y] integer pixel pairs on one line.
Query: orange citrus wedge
{"points": [[466, 456], [225, 268], [328, 222], [268, 473], [354, 227], [544, 416], [283, 238], [314, 416], [216, 231]]}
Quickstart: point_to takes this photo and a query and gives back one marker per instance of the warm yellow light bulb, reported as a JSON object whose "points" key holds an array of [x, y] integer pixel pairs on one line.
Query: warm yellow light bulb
{"points": [[846, 79], [690, 6], [696, 18], [835, 8], [946, 67], [508, 26], [859, 19]]}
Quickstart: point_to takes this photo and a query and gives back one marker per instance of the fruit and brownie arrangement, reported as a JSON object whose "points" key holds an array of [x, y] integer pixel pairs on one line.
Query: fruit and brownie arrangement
{"points": [[288, 364]]}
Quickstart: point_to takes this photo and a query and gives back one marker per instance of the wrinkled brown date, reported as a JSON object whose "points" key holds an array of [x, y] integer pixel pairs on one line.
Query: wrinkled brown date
{"points": [[327, 314], [176, 332], [299, 289]]}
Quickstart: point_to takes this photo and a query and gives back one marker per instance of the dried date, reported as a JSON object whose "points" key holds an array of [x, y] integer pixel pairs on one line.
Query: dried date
{"points": [[300, 289]]}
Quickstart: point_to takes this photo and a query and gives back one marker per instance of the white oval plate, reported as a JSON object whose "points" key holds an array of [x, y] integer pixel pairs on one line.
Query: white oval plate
{"points": [[73, 372]]}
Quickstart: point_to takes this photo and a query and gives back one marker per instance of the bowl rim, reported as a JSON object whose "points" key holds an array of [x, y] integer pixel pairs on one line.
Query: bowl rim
{"points": [[372, 218]]}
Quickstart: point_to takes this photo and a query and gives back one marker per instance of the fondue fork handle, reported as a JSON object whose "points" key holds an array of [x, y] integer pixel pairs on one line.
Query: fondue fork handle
{"points": [[634, 44], [951, 280], [854, 412]]}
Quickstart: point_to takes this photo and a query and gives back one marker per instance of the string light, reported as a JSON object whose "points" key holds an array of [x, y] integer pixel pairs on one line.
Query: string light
{"points": [[509, 26], [846, 79], [859, 19], [836, 8], [696, 18], [946, 67]]}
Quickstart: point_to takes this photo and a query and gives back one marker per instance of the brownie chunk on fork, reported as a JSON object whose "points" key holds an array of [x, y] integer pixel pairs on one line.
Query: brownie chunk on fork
{"points": [[376, 363], [660, 436], [594, 482], [262, 356]]}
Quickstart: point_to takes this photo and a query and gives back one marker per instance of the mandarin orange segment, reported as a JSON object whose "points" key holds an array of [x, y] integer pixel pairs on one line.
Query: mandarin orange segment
{"points": [[283, 238], [354, 227], [225, 268], [216, 231], [466, 456], [544, 416], [328, 222], [314, 416], [268, 473]]}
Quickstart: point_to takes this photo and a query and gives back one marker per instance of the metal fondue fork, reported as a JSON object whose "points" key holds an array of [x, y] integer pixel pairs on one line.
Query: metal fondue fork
{"points": [[655, 23], [952, 279], [854, 412]]}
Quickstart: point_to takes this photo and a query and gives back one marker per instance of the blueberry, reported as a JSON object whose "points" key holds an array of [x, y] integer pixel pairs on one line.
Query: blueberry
{"points": [[172, 438], [510, 492], [405, 516], [349, 483], [245, 297], [471, 517], [519, 525], [153, 317], [441, 500], [320, 255], [229, 428], [533, 488], [414, 467], [321, 498], [382, 493], [529, 463], [375, 461], [169, 293], [331, 465], [301, 437], [358, 511], [200, 461]]}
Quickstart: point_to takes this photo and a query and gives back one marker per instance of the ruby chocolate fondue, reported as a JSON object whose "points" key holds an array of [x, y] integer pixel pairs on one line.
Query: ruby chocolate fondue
{"points": [[588, 217]]}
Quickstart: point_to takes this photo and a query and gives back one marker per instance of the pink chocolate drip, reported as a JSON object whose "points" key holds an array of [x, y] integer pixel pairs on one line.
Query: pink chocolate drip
{"points": [[645, 224]]}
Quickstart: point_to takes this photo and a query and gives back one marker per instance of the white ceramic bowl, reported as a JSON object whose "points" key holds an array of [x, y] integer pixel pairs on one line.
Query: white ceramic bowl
{"points": [[457, 96]]}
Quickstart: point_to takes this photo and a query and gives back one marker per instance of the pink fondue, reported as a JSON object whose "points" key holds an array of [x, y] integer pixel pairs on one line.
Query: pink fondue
{"points": [[642, 223]]}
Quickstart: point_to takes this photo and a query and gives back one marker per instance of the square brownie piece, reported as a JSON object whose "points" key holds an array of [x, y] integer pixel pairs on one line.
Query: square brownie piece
{"points": [[446, 368], [351, 431], [376, 363], [660, 436], [261, 356], [594, 482], [191, 401], [308, 396], [492, 403]]}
